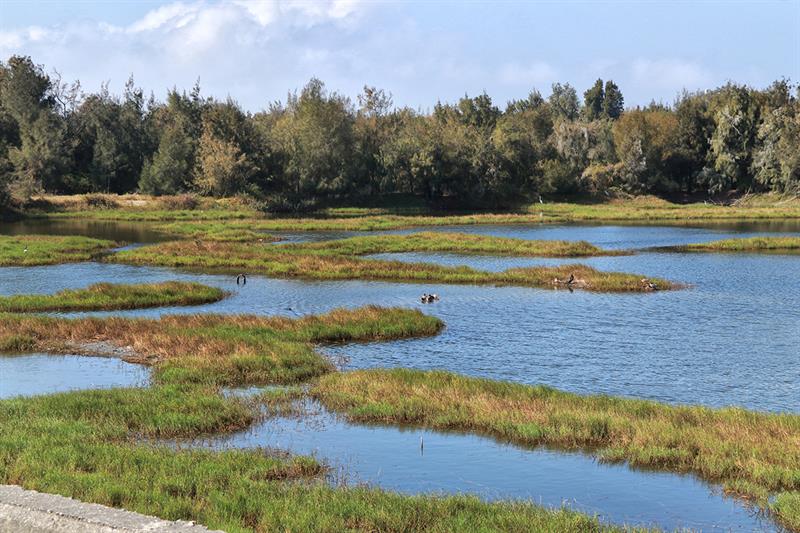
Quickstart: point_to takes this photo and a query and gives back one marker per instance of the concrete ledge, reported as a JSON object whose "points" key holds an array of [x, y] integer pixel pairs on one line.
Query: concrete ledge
{"points": [[28, 511]]}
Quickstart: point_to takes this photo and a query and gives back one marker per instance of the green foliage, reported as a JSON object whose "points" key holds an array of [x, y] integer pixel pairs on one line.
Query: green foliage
{"points": [[613, 103], [28, 96], [317, 149], [564, 102], [593, 100], [736, 117]]}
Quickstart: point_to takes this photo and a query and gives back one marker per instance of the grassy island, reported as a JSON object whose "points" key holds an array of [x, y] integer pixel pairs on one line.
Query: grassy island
{"points": [[215, 349], [777, 245], [314, 262], [112, 297], [30, 250], [457, 243]]}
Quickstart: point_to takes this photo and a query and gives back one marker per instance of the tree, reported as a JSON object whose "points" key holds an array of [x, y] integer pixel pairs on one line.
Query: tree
{"points": [[371, 131], [564, 102], [27, 95], [178, 124], [692, 143], [593, 100], [110, 148], [315, 139], [169, 172], [736, 118], [224, 169], [776, 162], [613, 103]]}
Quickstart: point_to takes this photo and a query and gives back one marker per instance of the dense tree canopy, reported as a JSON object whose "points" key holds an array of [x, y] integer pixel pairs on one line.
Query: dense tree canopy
{"points": [[318, 146]]}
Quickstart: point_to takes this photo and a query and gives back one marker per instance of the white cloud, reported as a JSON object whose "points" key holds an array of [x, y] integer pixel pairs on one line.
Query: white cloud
{"points": [[253, 50], [670, 74], [176, 15], [531, 74]]}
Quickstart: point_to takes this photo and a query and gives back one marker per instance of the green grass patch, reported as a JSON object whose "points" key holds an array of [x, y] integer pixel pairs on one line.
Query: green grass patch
{"points": [[457, 243], [748, 451], [308, 262], [30, 250], [112, 297], [780, 245]]}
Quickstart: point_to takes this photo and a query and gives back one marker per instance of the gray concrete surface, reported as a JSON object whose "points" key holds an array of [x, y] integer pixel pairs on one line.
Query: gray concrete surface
{"points": [[28, 511]]}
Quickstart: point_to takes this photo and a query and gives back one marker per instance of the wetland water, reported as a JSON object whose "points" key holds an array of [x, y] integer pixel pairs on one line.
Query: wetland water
{"points": [[730, 339], [393, 458]]}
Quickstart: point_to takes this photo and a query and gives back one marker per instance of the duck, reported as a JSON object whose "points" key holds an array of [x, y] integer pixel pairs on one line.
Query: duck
{"points": [[243, 279]]}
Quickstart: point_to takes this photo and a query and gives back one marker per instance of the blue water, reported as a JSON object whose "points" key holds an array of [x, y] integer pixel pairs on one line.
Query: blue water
{"points": [[34, 374], [412, 460], [731, 338]]}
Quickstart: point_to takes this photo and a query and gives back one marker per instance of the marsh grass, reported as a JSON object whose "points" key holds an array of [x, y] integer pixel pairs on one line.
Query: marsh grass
{"points": [[108, 296], [459, 243], [29, 250], [751, 453], [299, 262], [217, 350], [87, 445], [784, 245]]}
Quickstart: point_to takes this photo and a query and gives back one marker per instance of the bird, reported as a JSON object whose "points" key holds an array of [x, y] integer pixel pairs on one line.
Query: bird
{"points": [[243, 278], [571, 279]]}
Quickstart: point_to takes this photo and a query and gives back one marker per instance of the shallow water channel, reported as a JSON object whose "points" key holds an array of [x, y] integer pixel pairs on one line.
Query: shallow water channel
{"points": [[732, 338]]}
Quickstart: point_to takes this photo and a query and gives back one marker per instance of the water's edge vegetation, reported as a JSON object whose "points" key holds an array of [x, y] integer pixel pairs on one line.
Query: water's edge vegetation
{"points": [[87, 445], [113, 297], [750, 453], [783, 245]]}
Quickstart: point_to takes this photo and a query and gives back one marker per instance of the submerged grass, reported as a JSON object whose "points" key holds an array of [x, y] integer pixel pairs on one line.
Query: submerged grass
{"points": [[108, 297], [743, 449], [460, 243], [306, 262], [784, 245], [29, 250], [213, 349]]}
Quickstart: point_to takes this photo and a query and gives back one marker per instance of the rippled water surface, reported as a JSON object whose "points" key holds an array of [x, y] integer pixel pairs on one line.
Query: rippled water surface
{"points": [[731, 338]]}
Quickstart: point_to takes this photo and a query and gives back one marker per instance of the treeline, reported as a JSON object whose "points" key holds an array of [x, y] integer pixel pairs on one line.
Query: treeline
{"points": [[319, 146]]}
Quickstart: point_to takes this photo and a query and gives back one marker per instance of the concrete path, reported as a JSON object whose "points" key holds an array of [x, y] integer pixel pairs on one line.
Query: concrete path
{"points": [[28, 511]]}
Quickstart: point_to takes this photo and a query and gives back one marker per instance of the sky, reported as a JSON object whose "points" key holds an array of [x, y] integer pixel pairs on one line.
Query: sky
{"points": [[256, 51]]}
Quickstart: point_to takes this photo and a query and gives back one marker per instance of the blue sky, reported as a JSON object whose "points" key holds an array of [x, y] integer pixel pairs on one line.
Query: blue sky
{"points": [[255, 51]]}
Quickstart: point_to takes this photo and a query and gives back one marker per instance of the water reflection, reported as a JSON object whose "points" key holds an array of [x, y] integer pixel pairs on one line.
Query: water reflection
{"points": [[394, 459], [34, 374]]}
